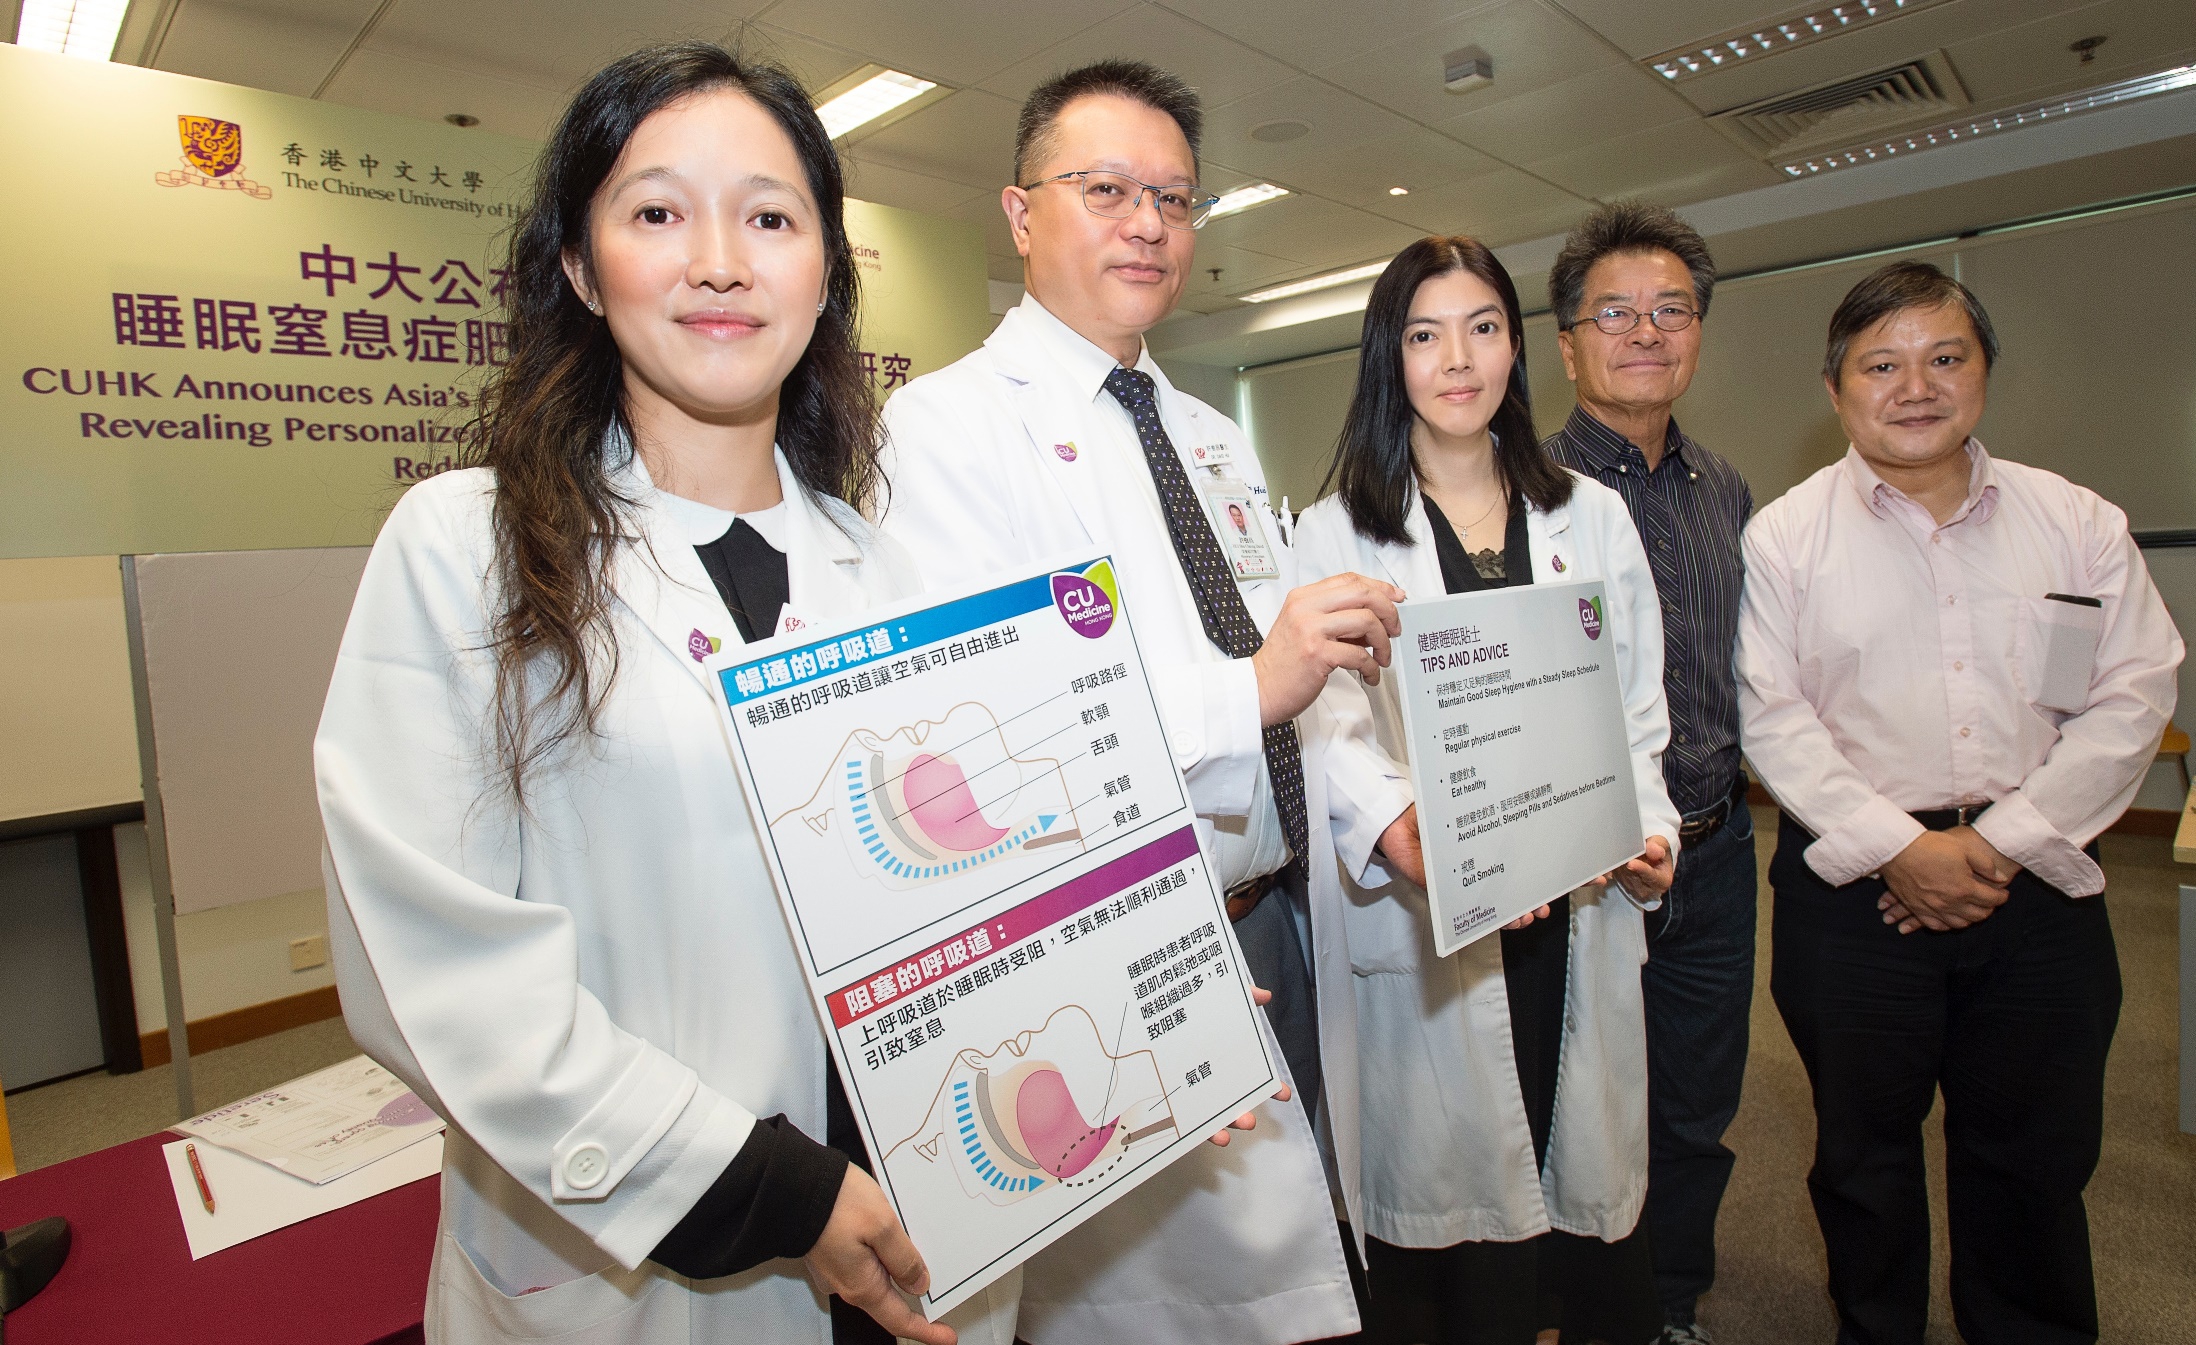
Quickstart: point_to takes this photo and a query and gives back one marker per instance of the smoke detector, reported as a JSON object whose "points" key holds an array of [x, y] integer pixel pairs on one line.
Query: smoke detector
{"points": [[1466, 70]]}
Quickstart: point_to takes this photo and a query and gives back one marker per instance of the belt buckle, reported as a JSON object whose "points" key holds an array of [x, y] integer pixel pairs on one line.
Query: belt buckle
{"points": [[1244, 897], [1965, 814]]}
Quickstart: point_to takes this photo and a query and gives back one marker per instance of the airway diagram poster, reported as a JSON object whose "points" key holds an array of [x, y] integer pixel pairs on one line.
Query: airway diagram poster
{"points": [[992, 873]]}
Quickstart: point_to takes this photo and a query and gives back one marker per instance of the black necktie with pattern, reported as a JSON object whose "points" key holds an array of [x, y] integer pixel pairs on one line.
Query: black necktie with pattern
{"points": [[1220, 606]]}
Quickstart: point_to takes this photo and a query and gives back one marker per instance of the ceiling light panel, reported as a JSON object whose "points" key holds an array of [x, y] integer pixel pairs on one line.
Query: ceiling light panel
{"points": [[1797, 30], [1243, 198], [871, 99], [1974, 128], [85, 28], [1315, 283]]}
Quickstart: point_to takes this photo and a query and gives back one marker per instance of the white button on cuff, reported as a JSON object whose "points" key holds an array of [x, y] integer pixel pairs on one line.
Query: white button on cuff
{"points": [[1184, 745], [585, 1167]]}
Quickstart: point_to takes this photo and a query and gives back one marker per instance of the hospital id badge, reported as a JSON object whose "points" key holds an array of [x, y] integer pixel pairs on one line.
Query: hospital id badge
{"points": [[1240, 521]]}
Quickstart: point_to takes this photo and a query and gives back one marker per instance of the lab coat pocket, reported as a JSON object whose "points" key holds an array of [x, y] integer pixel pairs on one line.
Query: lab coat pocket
{"points": [[613, 1305], [1389, 928], [2057, 652]]}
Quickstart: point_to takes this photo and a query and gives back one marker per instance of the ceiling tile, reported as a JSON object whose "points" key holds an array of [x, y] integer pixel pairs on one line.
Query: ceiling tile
{"points": [[1532, 45], [967, 136], [1219, 68], [1412, 157], [1501, 208], [1684, 161], [982, 210], [1240, 269], [886, 185], [1571, 114], [2018, 64], [1310, 231], [958, 42], [287, 51], [1340, 121], [1306, 33], [816, 64], [560, 43], [387, 82]]}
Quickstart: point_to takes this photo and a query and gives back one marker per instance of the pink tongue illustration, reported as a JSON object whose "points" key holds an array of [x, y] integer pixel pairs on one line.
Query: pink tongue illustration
{"points": [[1057, 1136], [941, 804]]}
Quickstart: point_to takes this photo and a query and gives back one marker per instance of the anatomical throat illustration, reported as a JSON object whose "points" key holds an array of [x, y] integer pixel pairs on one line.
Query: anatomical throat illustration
{"points": [[1052, 1107], [925, 801]]}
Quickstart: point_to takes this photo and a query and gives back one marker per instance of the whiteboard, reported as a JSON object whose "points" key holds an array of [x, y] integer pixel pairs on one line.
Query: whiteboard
{"points": [[237, 650]]}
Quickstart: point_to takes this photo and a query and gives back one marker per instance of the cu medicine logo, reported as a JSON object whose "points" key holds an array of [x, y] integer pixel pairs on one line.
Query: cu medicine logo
{"points": [[213, 156], [1087, 599], [1589, 617]]}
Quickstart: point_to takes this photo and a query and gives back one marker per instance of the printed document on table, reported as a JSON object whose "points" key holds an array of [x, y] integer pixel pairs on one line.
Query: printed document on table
{"points": [[1519, 753], [252, 1200], [992, 872], [323, 1126]]}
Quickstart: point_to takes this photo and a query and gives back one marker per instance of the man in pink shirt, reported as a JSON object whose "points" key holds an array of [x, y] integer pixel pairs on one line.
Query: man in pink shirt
{"points": [[1953, 672]]}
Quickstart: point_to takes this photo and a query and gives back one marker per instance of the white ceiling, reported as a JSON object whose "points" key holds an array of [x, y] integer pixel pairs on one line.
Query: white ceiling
{"points": [[1572, 117]]}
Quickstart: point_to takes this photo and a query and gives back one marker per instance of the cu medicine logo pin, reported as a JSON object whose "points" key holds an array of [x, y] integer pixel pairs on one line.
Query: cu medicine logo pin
{"points": [[1589, 617], [213, 156], [1066, 451], [702, 646]]}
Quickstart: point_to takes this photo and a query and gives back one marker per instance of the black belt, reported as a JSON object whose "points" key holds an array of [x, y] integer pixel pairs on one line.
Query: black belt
{"points": [[1243, 898], [1944, 819], [1707, 822]]}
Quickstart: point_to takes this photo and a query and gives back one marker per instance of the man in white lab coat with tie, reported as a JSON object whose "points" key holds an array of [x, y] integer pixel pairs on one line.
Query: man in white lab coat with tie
{"points": [[1062, 432]]}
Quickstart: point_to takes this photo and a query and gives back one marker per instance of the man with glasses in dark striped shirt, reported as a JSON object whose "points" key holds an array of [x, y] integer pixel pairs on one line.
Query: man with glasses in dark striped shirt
{"points": [[1630, 290]]}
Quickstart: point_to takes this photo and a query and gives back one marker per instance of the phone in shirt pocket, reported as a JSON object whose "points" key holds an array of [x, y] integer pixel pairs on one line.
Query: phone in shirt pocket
{"points": [[2058, 649]]}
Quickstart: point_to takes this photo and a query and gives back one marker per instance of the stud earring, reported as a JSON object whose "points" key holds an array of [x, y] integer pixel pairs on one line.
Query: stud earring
{"points": [[594, 307], [820, 304]]}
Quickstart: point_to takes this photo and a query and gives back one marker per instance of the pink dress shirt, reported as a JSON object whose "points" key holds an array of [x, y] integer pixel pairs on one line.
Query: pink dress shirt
{"points": [[1889, 665]]}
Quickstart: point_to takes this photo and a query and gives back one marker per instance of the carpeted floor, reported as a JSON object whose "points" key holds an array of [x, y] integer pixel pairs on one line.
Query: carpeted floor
{"points": [[58, 1121], [2142, 1203]]}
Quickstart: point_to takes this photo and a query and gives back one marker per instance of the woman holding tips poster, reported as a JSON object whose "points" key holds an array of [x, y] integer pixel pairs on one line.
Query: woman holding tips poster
{"points": [[1488, 1211]]}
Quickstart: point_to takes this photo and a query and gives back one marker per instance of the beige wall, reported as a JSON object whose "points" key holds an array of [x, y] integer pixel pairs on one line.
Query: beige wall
{"points": [[232, 956]]}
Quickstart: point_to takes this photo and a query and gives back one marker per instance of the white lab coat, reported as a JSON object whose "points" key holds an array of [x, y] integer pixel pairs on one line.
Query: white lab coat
{"points": [[599, 997], [1235, 1244], [1447, 1155]]}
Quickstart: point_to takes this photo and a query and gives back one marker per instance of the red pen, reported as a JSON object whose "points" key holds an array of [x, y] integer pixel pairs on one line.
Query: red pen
{"points": [[198, 1174]]}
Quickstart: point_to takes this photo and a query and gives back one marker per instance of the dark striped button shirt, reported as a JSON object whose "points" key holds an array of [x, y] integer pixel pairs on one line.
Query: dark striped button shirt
{"points": [[1689, 511]]}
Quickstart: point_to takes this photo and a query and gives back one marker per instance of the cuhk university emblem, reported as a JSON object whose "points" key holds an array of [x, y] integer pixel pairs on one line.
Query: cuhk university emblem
{"points": [[213, 156]]}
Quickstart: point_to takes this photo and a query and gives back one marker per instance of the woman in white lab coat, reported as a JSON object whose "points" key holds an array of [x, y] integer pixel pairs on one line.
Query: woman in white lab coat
{"points": [[550, 911], [1503, 1148]]}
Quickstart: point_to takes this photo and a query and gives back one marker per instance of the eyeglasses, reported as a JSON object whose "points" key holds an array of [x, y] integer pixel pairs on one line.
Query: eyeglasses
{"points": [[1115, 196], [1617, 320]]}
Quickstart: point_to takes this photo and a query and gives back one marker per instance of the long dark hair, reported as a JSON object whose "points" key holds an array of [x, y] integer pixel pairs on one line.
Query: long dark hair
{"points": [[547, 418], [1372, 467]]}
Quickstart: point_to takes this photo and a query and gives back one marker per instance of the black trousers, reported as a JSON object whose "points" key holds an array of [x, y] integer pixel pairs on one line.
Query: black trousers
{"points": [[2012, 1019], [1278, 961], [1504, 1293]]}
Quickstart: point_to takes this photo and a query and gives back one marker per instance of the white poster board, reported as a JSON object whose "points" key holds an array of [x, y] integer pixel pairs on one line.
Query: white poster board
{"points": [[991, 869], [237, 649], [1519, 755]]}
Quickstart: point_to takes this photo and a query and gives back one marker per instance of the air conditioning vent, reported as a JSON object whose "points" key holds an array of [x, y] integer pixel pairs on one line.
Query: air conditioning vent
{"points": [[1846, 110]]}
